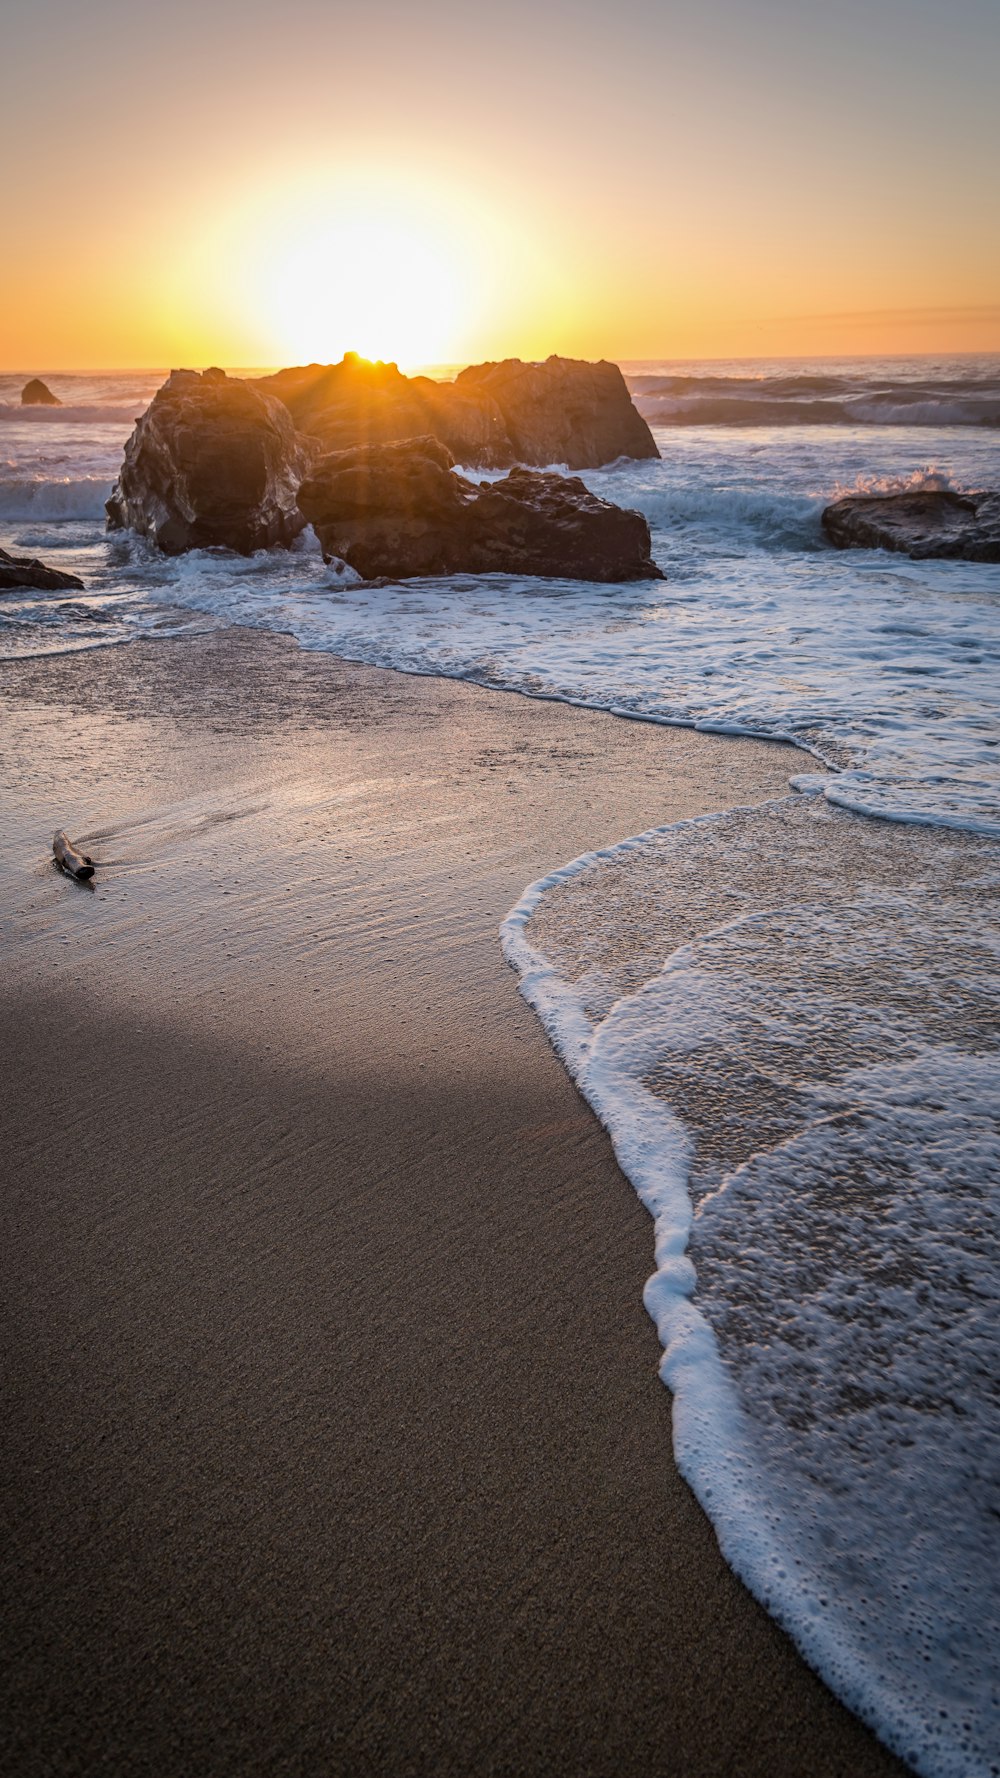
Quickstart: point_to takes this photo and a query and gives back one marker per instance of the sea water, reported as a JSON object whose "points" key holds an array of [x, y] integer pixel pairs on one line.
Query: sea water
{"points": [[787, 1016]]}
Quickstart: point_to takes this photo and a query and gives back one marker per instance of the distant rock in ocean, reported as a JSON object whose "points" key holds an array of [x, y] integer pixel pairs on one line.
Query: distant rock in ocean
{"points": [[926, 523], [563, 411], [28, 571], [38, 394], [211, 461], [399, 510]]}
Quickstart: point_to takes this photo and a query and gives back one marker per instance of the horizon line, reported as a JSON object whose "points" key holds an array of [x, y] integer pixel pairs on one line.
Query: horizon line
{"points": [[461, 363]]}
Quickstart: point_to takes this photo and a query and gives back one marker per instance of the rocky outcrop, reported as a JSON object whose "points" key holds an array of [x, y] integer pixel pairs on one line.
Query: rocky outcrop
{"points": [[924, 524], [399, 510], [494, 415], [562, 411], [216, 460], [357, 402], [37, 394], [212, 461], [17, 572]]}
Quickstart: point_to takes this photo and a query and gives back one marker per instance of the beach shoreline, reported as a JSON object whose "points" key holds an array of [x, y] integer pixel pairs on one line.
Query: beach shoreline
{"points": [[336, 1441]]}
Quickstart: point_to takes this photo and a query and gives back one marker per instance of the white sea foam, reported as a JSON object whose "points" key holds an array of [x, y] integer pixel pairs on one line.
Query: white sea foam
{"points": [[919, 481], [806, 1095], [884, 669]]}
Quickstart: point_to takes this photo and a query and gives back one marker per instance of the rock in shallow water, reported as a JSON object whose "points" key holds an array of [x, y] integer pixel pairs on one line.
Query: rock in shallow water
{"points": [[924, 524], [398, 511], [211, 461], [28, 571], [38, 394]]}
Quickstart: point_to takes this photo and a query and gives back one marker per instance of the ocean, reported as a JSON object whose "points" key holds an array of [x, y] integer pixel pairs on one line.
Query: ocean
{"points": [[788, 1017]]}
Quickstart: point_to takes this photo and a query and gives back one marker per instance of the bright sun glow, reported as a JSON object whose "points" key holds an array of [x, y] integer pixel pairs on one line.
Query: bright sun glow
{"points": [[369, 278]]}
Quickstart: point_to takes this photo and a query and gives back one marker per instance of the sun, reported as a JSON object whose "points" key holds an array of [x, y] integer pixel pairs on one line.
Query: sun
{"points": [[366, 276], [415, 266]]}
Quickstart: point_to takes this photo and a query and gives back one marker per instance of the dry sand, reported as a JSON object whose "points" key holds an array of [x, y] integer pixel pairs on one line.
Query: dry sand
{"points": [[334, 1442]]}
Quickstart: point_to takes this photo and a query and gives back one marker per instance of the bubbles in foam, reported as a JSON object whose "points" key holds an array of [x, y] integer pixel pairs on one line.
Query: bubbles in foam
{"points": [[786, 1017]]}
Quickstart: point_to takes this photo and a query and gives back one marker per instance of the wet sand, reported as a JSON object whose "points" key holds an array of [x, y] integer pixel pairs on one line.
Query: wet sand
{"points": [[334, 1441]]}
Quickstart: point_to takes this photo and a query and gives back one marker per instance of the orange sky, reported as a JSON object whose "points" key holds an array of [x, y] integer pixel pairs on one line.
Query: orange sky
{"points": [[257, 185]]}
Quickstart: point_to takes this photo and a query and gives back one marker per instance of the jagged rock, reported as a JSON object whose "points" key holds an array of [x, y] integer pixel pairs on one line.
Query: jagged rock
{"points": [[360, 403], [398, 510], [924, 524], [37, 394], [563, 411], [211, 461], [27, 571]]}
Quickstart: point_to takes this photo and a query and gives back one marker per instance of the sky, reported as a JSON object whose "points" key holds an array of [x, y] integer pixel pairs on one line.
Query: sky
{"points": [[254, 184]]}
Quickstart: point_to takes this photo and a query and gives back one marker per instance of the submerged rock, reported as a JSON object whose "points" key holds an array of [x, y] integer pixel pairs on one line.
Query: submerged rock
{"points": [[211, 461], [399, 510], [28, 571], [38, 394], [924, 524], [562, 411]]}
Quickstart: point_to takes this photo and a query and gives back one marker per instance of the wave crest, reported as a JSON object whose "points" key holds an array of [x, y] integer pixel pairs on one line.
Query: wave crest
{"points": [[826, 400], [922, 481], [70, 499]]}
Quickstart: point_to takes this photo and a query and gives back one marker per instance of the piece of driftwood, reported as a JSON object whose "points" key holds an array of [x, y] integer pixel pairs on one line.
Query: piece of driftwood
{"points": [[75, 863]]}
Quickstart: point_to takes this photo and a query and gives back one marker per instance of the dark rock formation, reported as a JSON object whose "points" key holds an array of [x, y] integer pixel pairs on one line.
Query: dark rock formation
{"points": [[924, 524], [36, 394], [398, 510], [359, 403], [563, 411], [27, 571], [211, 461]]}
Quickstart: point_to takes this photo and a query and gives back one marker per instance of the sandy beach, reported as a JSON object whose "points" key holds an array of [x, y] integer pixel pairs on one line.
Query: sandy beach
{"points": [[334, 1440]]}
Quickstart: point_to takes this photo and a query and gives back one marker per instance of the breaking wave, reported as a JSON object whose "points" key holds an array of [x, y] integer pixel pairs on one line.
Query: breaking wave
{"points": [[23, 501], [811, 400], [768, 518]]}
